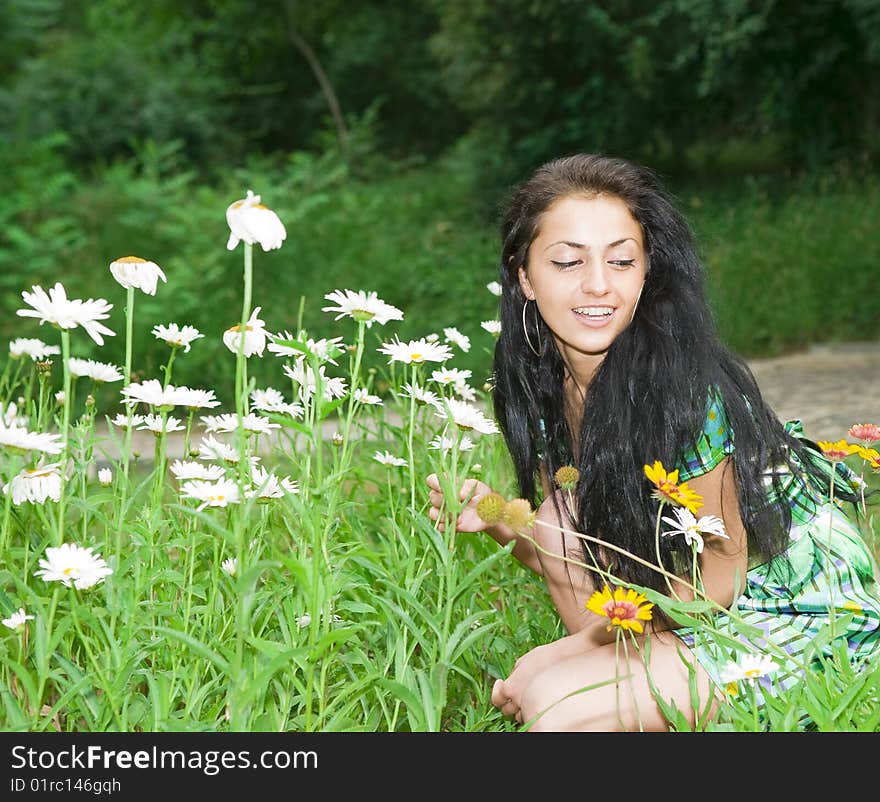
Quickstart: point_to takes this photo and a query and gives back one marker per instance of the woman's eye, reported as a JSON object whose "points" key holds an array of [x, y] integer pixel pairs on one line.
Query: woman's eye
{"points": [[566, 265], [622, 262]]}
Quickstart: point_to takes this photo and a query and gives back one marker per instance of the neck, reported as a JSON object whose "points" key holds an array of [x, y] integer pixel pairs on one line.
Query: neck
{"points": [[580, 369]]}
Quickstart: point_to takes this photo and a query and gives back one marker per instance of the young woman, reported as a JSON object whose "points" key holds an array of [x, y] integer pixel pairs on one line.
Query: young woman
{"points": [[608, 360]]}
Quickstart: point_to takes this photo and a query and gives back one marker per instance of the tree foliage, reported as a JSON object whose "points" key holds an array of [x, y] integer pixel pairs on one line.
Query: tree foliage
{"points": [[509, 83]]}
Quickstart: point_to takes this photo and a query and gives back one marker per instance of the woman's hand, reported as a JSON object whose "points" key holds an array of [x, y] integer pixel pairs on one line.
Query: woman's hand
{"points": [[471, 489]]}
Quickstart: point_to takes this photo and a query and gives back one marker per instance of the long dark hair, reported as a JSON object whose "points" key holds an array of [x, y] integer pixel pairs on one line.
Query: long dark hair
{"points": [[649, 397]]}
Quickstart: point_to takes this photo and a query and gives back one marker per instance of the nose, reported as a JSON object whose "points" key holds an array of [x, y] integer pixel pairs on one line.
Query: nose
{"points": [[594, 280]]}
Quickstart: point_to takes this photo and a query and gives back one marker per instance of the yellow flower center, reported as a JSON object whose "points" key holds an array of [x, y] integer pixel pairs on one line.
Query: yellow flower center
{"points": [[36, 473], [131, 259], [68, 571], [751, 673], [416, 357]]}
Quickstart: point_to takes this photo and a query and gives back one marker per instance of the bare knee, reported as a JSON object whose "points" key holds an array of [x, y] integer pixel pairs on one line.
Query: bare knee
{"points": [[547, 705]]}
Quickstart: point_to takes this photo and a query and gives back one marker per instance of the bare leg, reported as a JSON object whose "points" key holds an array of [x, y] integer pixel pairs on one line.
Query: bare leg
{"points": [[624, 703]]}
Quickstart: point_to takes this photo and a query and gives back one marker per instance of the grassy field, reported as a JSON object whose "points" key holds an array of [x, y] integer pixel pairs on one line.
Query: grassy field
{"points": [[344, 608]]}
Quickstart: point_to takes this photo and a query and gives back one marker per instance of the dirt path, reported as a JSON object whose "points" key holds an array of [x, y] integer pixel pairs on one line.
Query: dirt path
{"points": [[829, 387]]}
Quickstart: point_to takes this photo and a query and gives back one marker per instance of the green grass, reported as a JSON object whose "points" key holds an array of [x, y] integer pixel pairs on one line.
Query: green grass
{"points": [[349, 610]]}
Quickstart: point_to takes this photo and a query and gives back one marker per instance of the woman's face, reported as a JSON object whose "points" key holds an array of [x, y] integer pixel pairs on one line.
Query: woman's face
{"points": [[585, 271]]}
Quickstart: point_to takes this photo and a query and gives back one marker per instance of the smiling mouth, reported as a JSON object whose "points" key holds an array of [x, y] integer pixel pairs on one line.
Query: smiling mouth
{"points": [[594, 312]]}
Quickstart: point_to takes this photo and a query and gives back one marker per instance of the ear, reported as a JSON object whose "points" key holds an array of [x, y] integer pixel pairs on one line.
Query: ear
{"points": [[524, 284]]}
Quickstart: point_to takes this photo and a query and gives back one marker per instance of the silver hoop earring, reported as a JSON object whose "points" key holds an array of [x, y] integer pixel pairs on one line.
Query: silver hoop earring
{"points": [[532, 348]]}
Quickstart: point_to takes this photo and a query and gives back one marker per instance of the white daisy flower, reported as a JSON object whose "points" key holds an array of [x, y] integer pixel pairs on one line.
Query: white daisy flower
{"points": [[212, 494], [139, 274], [464, 391], [56, 309], [11, 417], [186, 469], [421, 396], [495, 288], [150, 392], [255, 336], [450, 375], [105, 477], [32, 347], [122, 421], [96, 371], [211, 448], [685, 523], [415, 352], [257, 424], [303, 621], [230, 566], [362, 396], [18, 437], [73, 565], [196, 399], [492, 326], [467, 417], [17, 620], [362, 306], [750, 667], [155, 424], [271, 400], [282, 350], [252, 222], [304, 376], [228, 422], [268, 400], [324, 350], [177, 337], [267, 485], [387, 458], [445, 444], [36, 485], [453, 335]]}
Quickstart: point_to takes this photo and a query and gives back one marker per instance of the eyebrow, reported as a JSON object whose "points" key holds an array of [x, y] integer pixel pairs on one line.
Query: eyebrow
{"points": [[586, 247]]}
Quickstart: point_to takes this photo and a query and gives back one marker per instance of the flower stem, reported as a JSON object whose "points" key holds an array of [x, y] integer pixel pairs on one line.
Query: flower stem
{"points": [[241, 407], [65, 426], [129, 408]]}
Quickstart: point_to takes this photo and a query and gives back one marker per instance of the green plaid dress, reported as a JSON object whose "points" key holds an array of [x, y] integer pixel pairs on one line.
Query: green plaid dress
{"points": [[824, 582]]}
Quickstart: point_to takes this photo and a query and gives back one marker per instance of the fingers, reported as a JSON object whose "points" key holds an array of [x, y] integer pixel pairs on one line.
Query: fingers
{"points": [[433, 481], [503, 702], [499, 697]]}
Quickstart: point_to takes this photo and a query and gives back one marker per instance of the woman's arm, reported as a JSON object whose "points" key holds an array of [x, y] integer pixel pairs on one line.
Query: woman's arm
{"points": [[562, 556], [724, 561]]}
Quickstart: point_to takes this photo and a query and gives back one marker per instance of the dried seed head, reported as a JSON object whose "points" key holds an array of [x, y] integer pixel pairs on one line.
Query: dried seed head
{"points": [[491, 507], [567, 477], [518, 514]]}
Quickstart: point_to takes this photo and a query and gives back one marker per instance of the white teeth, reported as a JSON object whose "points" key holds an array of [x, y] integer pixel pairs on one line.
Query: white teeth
{"points": [[594, 311]]}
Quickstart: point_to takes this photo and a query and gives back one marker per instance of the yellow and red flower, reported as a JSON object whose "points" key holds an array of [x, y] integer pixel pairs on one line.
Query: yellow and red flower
{"points": [[669, 490], [871, 456], [624, 608], [839, 450]]}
